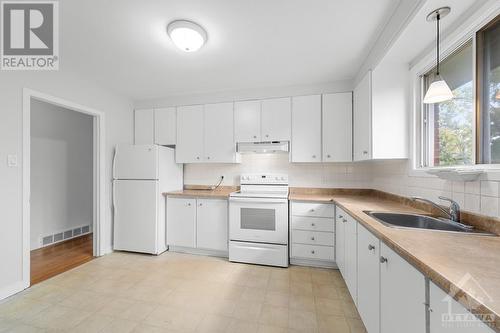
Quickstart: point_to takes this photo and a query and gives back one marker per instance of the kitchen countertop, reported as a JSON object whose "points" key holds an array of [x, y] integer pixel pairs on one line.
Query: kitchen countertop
{"points": [[445, 258], [222, 192]]}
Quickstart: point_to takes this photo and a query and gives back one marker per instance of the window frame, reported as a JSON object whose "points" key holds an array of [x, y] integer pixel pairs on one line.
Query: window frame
{"points": [[464, 33]]}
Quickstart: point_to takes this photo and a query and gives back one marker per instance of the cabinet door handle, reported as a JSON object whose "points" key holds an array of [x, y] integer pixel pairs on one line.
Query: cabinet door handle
{"points": [[255, 136], [383, 259], [312, 252], [201, 204], [312, 238], [208, 157], [189, 204], [365, 152], [312, 224], [314, 156], [267, 135], [344, 220], [328, 156], [341, 217], [197, 157], [312, 210], [371, 247]]}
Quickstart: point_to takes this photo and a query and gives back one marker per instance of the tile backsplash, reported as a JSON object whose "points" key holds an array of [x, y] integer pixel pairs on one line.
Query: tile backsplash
{"points": [[348, 175], [482, 197]]}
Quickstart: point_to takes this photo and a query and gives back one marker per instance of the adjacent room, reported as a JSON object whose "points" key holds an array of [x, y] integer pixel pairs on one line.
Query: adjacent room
{"points": [[223, 166]]}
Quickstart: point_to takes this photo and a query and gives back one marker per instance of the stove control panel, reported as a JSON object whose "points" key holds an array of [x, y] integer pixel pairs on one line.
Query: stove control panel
{"points": [[263, 178]]}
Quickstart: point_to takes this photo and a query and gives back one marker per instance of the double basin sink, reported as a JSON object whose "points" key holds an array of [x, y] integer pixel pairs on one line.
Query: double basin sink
{"points": [[416, 221]]}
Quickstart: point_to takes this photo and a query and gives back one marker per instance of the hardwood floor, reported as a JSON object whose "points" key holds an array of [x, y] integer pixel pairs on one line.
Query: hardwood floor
{"points": [[52, 260]]}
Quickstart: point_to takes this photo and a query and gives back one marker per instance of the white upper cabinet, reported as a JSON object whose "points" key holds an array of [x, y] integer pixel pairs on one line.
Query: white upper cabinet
{"points": [[219, 133], [165, 126], [306, 128], [380, 114], [402, 294], [362, 115], [190, 134], [276, 119], [337, 127], [144, 127], [247, 121]]}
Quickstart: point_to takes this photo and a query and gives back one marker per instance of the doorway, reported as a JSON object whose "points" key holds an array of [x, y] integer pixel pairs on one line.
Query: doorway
{"points": [[63, 184]]}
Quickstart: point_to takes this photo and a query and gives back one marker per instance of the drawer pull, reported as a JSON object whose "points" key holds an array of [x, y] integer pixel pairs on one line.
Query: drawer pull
{"points": [[341, 217], [312, 238], [312, 210], [371, 247], [312, 224], [312, 251], [344, 220], [383, 259]]}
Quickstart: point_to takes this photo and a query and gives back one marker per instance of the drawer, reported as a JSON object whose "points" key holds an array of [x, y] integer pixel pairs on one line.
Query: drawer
{"points": [[312, 209], [313, 237], [313, 252], [312, 223]]}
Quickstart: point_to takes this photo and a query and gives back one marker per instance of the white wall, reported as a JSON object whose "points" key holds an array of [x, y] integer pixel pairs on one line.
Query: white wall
{"points": [[63, 84], [61, 170], [340, 175]]}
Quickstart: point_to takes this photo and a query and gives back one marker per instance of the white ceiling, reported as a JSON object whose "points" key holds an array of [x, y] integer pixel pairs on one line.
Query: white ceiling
{"points": [[252, 43]]}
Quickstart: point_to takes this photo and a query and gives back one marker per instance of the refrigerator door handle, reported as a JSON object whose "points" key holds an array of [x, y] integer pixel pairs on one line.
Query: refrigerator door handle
{"points": [[113, 200], [114, 162]]}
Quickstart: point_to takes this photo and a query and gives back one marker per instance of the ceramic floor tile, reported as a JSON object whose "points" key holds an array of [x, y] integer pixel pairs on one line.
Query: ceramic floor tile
{"points": [[274, 315], [333, 324], [214, 324], [325, 306], [277, 298], [242, 326], [302, 320]]}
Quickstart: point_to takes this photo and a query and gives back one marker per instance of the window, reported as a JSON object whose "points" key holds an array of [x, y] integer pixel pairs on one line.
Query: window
{"points": [[466, 129]]}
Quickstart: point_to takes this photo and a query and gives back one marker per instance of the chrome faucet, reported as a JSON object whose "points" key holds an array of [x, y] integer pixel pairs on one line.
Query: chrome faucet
{"points": [[453, 212]]}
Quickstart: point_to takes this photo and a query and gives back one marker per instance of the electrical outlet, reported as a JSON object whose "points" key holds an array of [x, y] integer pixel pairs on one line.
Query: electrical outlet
{"points": [[12, 161]]}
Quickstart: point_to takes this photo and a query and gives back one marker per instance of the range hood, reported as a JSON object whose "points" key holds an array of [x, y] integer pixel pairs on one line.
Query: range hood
{"points": [[262, 147]]}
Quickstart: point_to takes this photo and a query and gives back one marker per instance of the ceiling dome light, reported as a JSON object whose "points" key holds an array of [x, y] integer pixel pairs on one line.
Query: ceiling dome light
{"points": [[187, 35], [438, 91]]}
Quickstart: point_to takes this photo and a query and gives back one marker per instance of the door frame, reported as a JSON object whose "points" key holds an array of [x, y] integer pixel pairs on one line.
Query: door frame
{"points": [[99, 171]]}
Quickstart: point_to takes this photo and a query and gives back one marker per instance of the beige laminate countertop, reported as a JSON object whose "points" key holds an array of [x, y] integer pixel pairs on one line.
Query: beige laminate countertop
{"points": [[222, 193], [445, 258]]}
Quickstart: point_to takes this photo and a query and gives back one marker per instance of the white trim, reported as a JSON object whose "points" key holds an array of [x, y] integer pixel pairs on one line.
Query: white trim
{"points": [[202, 252], [313, 263], [11, 289], [457, 38], [99, 174]]}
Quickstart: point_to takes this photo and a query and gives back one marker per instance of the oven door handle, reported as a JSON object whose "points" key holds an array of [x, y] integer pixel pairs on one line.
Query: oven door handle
{"points": [[259, 200]]}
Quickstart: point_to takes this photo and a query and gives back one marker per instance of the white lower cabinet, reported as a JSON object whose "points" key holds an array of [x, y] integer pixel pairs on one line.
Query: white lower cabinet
{"points": [[211, 226], [197, 223], [312, 233], [369, 279], [402, 295], [351, 257], [181, 222], [447, 315], [340, 216]]}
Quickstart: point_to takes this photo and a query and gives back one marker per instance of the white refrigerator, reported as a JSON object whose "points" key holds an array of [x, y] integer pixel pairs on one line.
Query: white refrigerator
{"points": [[141, 173]]}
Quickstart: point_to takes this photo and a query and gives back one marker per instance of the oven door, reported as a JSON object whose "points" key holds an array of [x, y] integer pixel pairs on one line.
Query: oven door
{"points": [[263, 220]]}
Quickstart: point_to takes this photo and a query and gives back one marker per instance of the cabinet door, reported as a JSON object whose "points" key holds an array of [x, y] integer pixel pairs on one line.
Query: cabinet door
{"points": [[444, 309], [247, 121], [369, 279], [211, 231], [337, 127], [190, 135], [276, 119], [219, 133], [165, 126], [362, 118], [144, 127], [351, 257], [402, 295], [306, 128], [181, 222], [340, 221]]}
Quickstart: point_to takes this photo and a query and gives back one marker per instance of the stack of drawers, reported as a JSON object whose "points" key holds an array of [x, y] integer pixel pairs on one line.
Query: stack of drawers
{"points": [[312, 232]]}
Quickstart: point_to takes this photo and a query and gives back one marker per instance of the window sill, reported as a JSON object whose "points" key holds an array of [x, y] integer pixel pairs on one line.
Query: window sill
{"points": [[464, 173]]}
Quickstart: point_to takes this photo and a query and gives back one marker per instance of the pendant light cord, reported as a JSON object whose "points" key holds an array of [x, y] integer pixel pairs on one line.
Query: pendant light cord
{"points": [[438, 17]]}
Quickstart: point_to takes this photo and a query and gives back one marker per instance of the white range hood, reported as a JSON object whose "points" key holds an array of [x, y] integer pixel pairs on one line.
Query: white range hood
{"points": [[263, 147]]}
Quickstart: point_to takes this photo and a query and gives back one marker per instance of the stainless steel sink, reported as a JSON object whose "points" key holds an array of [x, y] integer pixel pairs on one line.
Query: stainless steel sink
{"points": [[415, 221]]}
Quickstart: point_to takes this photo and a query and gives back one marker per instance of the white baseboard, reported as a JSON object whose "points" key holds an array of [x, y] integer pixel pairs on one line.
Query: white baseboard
{"points": [[11, 289], [313, 263], [203, 252]]}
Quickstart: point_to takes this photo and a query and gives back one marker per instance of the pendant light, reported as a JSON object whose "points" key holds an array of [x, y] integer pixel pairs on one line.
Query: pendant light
{"points": [[438, 91]]}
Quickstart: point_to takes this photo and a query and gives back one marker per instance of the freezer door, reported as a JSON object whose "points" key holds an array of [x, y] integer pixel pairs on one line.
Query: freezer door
{"points": [[135, 162], [136, 216]]}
